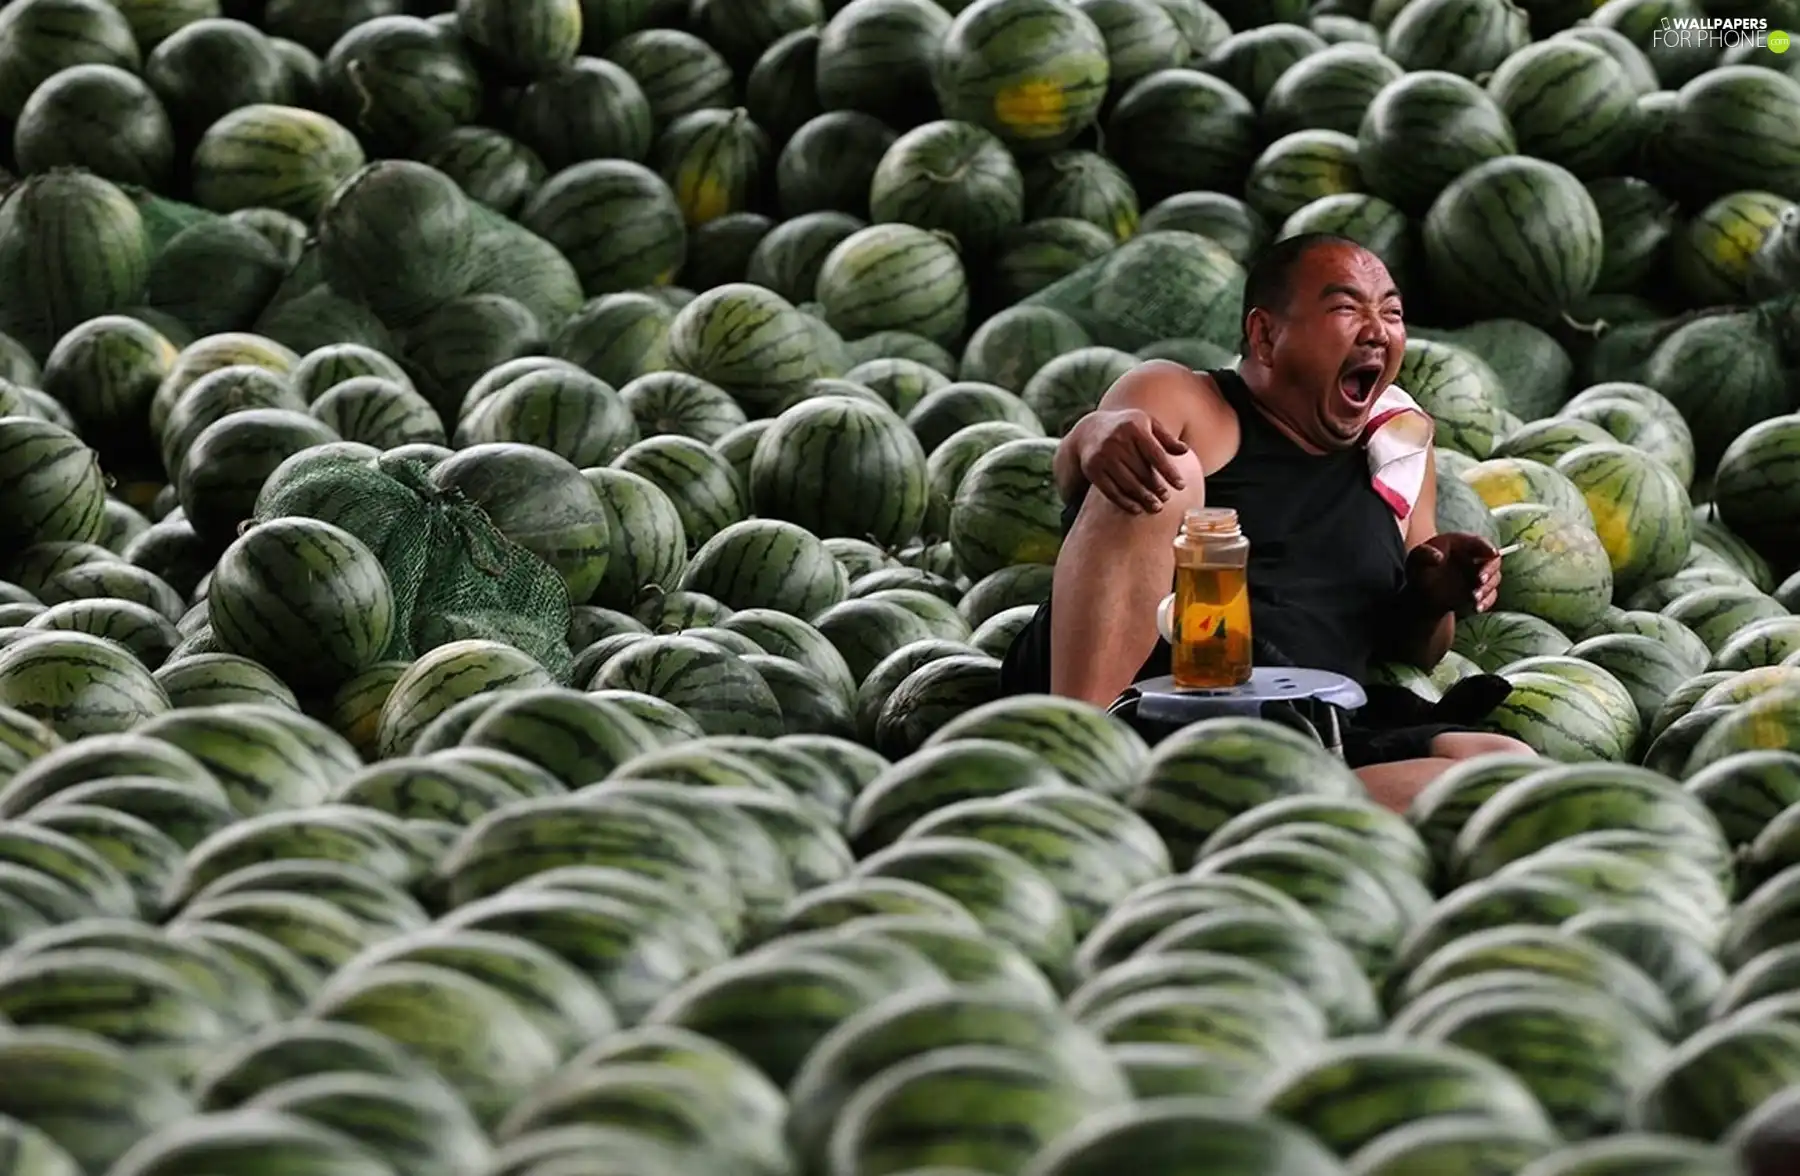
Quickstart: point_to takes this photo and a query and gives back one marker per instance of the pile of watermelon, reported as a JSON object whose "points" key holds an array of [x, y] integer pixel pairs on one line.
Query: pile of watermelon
{"points": [[734, 332]]}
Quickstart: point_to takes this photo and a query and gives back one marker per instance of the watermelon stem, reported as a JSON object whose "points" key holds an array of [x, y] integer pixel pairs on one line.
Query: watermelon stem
{"points": [[1593, 330], [365, 100]]}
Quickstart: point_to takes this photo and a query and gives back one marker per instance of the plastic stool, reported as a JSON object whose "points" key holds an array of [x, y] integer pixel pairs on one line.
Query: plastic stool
{"points": [[1310, 701]]}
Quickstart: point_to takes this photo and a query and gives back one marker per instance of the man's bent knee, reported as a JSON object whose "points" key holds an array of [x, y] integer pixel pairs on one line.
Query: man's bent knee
{"points": [[1462, 745], [1191, 495]]}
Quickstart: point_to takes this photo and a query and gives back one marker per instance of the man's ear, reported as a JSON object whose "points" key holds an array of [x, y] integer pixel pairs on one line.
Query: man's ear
{"points": [[1259, 336]]}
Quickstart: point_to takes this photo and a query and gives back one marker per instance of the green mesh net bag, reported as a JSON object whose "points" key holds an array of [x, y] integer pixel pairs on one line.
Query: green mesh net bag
{"points": [[455, 575], [1158, 287]]}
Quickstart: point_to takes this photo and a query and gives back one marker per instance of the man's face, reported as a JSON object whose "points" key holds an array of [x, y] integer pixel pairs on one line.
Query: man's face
{"points": [[1338, 345]]}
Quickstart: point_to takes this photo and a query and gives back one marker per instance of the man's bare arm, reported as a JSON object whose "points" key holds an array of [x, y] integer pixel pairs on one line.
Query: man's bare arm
{"points": [[1134, 435], [1421, 637]]}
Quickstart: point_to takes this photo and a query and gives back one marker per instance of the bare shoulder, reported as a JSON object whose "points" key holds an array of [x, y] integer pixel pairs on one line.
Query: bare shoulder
{"points": [[1178, 397]]}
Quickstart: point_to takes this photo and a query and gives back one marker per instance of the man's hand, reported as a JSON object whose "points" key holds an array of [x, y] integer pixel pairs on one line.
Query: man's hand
{"points": [[1127, 455], [1454, 573]]}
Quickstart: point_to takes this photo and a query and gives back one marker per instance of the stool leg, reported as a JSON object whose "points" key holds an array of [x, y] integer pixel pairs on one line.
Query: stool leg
{"points": [[1293, 714], [1331, 730]]}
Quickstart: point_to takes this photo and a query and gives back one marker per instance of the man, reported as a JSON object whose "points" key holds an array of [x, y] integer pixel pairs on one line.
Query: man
{"points": [[1344, 571]]}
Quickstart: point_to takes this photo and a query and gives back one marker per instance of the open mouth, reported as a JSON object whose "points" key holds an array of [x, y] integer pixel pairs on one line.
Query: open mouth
{"points": [[1358, 382]]}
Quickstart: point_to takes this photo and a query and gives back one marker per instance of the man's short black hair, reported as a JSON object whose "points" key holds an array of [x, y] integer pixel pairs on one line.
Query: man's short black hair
{"points": [[1270, 283]]}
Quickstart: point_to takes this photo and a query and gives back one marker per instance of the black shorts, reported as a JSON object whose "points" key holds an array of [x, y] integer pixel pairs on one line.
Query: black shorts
{"points": [[1385, 745]]}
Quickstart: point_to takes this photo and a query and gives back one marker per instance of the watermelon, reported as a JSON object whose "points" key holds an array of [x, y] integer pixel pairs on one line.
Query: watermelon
{"points": [[1641, 512], [895, 277], [1033, 72], [1481, 208], [953, 177], [840, 443], [875, 55], [1179, 130], [399, 82], [1424, 130], [279, 157]]}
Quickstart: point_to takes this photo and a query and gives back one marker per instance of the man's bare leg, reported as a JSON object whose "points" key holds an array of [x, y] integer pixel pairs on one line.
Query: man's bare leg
{"points": [[1113, 571], [1394, 785]]}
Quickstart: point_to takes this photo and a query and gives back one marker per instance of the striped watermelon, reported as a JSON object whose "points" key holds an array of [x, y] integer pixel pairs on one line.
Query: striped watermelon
{"points": [[1006, 509], [378, 413], [696, 478], [525, 40], [1754, 487], [1328, 90], [1502, 481], [787, 259], [752, 343], [305, 598], [1558, 718], [1154, 1135], [1460, 391], [488, 166], [77, 684], [396, 209], [1641, 418], [1537, 86], [1641, 512], [807, 466], [1299, 168], [1181, 130], [713, 161], [1083, 185], [952, 177], [1637, 221], [1734, 357], [1718, 112], [1368, 220], [765, 563], [1458, 1082], [1009, 348], [675, 402], [713, 685], [1224, 219], [399, 82], [444, 676], [828, 163], [1469, 38], [52, 484], [1034, 72], [98, 117], [616, 221], [278, 157], [876, 56], [72, 247], [1252, 58], [40, 38], [1539, 224], [895, 277], [1070, 386], [1711, 256], [677, 71], [1561, 573], [1422, 131]]}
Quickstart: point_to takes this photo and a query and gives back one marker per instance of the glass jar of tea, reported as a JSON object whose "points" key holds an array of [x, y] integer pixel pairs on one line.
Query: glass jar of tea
{"points": [[1210, 619]]}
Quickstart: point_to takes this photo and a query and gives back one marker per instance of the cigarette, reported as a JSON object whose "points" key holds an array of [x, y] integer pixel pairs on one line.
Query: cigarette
{"points": [[1510, 548]]}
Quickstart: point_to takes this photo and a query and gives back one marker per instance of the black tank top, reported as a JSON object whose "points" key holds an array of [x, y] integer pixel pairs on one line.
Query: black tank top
{"points": [[1327, 558]]}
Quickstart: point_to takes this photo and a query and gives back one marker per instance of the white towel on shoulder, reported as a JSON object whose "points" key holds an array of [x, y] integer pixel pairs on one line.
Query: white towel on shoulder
{"points": [[1398, 441]]}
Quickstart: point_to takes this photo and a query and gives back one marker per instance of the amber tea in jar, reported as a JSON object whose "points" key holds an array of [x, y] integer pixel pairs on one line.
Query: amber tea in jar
{"points": [[1210, 622]]}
